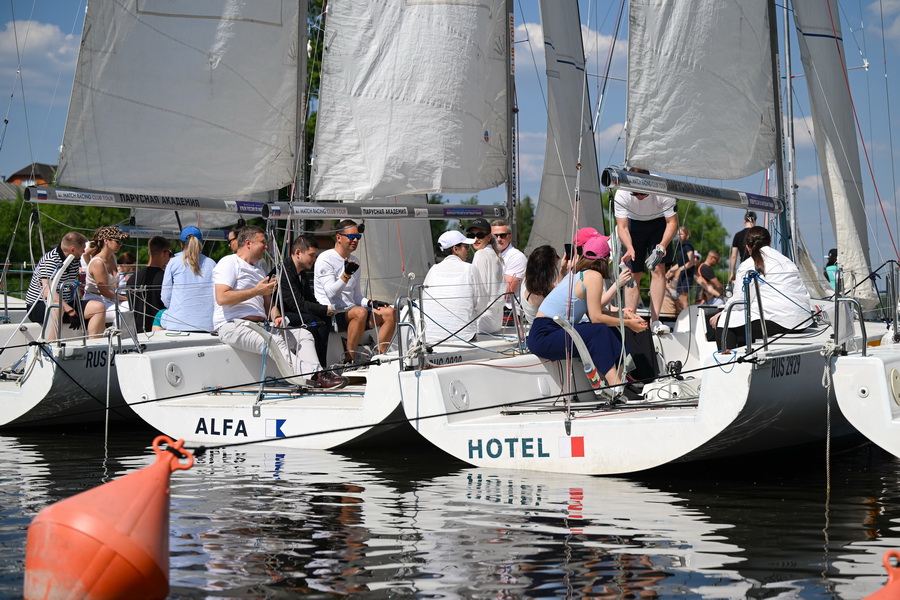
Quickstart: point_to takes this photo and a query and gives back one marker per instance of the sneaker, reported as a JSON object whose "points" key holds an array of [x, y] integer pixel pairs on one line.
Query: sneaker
{"points": [[323, 380], [658, 328]]}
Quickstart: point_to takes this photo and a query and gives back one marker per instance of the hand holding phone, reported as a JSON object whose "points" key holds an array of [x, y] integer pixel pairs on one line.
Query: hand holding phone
{"points": [[568, 254]]}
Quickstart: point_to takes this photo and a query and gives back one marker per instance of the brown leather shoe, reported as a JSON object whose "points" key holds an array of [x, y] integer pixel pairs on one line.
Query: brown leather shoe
{"points": [[323, 380]]}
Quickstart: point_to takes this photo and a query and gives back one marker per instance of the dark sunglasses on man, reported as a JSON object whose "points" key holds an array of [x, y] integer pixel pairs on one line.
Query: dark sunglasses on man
{"points": [[502, 236], [479, 234], [352, 236]]}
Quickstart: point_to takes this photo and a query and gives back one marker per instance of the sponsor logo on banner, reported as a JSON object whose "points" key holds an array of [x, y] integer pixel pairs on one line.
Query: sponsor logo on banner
{"points": [[421, 212], [571, 447], [649, 184], [249, 207], [763, 203], [85, 196], [158, 200], [273, 428], [395, 211], [463, 211], [319, 211]]}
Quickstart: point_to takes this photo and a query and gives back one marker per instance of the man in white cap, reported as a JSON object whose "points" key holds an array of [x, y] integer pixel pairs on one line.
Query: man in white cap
{"points": [[448, 299]]}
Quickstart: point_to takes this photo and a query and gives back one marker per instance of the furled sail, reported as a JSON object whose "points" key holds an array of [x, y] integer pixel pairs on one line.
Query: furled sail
{"points": [[412, 100], [194, 99], [570, 136], [700, 88], [822, 53]]}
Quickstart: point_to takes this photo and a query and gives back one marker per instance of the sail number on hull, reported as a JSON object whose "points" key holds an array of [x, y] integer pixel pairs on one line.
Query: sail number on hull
{"points": [[785, 365]]}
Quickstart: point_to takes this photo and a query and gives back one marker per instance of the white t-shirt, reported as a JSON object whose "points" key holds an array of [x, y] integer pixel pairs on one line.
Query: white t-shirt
{"points": [[652, 207], [490, 284], [238, 274], [328, 285], [514, 263], [448, 301], [785, 299]]}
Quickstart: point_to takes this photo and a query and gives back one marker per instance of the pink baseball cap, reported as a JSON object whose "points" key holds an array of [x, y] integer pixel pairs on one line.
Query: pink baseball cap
{"points": [[584, 234], [597, 247]]}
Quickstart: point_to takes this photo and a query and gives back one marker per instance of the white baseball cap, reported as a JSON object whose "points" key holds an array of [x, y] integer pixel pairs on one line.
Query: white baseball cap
{"points": [[449, 239]]}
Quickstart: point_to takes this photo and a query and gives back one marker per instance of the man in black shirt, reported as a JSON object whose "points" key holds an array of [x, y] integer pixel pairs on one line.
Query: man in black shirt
{"points": [[296, 295], [147, 284], [738, 248]]}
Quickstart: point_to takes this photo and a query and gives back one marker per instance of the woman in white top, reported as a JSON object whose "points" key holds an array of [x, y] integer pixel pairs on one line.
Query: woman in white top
{"points": [[542, 273], [102, 277], [785, 299]]}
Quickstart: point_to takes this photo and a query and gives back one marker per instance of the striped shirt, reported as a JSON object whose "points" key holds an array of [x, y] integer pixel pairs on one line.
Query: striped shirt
{"points": [[46, 269]]}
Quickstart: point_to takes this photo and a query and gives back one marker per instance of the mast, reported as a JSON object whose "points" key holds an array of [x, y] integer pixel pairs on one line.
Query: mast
{"points": [[790, 192], [511, 172], [787, 237]]}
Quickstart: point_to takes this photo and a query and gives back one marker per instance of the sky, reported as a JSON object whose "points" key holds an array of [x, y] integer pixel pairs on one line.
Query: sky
{"points": [[39, 41]]}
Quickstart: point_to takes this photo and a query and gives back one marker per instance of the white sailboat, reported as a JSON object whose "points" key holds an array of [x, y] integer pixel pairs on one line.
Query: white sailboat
{"points": [[527, 413], [385, 134]]}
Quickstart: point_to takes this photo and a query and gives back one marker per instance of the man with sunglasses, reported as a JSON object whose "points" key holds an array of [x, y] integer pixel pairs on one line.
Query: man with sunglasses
{"points": [[514, 260], [491, 283], [646, 224], [337, 284]]}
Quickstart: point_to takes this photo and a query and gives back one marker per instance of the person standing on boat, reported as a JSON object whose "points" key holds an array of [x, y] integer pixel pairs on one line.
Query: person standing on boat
{"points": [[337, 284], [491, 283], [738, 247], [785, 300], [243, 295], [831, 268], [187, 287], [147, 285], [579, 293], [297, 298], [447, 298], [646, 224], [687, 259], [514, 262], [102, 277], [39, 297]]}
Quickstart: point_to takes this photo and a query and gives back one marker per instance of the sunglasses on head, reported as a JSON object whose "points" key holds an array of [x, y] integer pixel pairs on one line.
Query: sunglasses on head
{"points": [[351, 236], [479, 234], [502, 236]]}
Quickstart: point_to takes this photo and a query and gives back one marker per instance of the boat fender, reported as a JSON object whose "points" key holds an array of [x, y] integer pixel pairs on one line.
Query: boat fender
{"points": [[892, 588], [108, 542]]}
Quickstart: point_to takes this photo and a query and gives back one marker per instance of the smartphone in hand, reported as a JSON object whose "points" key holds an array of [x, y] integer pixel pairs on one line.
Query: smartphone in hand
{"points": [[568, 254]]}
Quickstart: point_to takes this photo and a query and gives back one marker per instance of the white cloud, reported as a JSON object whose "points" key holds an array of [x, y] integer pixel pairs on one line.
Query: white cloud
{"points": [[891, 11], [803, 132], [47, 56], [810, 184]]}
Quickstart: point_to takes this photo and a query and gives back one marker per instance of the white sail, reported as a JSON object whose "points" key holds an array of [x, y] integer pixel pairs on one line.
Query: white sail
{"points": [[392, 250], [700, 88], [822, 53], [185, 99], [570, 137], [412, 99]]}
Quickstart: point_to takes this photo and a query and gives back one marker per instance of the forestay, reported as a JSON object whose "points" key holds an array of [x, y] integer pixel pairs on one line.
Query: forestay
{"points": [[412, 99], [822, 53], [185, 99], [570, 137], [700, 88]]}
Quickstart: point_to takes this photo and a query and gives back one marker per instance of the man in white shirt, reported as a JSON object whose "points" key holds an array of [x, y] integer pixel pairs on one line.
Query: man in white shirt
{"points": [[447, 299], [337, 283], [491, 283], [243, 295], [514, 260], [646, 224]]}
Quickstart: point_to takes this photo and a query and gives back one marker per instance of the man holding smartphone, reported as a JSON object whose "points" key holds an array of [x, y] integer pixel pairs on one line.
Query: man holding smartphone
{"points": [[646, 224]]}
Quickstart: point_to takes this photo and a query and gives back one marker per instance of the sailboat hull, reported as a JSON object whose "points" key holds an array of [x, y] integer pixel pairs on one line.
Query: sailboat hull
{"points": [[867, 390]]}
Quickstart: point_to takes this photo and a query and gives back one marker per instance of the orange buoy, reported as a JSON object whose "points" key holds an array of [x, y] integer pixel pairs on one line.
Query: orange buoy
{"points": [[891, 589], [108, 542]]}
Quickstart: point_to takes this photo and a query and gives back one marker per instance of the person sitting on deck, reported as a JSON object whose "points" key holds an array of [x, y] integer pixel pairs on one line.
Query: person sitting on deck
{"points": [[102, 278], [297, 298], [542, 273], [187, 287], [712, 292], [785, 299], [447, 298], [243, 296], [337, 283], [147, 285], [39, 297], [549, 340]]}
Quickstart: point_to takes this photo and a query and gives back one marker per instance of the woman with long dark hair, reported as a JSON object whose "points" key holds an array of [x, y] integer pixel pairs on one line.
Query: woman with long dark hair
{"points": [[785, 299], [548, 340], [542, 273]]}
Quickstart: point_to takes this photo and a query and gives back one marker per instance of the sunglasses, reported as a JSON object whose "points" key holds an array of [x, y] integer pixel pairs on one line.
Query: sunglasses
{"points": [[639, 194], [351, 236], [479, 234], [502, 236]]}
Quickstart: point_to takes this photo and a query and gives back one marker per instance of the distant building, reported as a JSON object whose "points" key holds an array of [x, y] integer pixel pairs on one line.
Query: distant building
{"points": [[35, 174]]}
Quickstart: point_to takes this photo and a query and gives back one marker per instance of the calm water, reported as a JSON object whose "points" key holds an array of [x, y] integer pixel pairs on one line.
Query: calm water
{"points": [[265, 523]]}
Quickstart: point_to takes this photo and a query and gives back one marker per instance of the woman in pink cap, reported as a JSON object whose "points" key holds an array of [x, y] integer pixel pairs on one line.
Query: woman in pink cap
{"points": [[581, 293]]}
